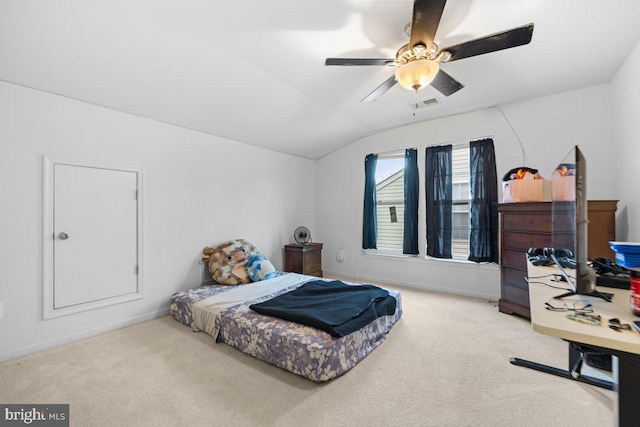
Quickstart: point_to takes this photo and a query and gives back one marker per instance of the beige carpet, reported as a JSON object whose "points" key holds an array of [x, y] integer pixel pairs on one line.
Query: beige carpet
{"points": [[445, 363]]}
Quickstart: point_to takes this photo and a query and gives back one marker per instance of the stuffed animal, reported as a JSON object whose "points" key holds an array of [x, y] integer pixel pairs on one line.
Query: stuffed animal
{"points": [[260, 268], [228, 261]]}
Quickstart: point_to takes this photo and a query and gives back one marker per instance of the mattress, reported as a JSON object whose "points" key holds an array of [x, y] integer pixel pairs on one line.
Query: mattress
{"points": [[223, 312]]}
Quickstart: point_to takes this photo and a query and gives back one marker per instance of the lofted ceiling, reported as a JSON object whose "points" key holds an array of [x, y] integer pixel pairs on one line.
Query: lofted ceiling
{"points": [[253, 70]]}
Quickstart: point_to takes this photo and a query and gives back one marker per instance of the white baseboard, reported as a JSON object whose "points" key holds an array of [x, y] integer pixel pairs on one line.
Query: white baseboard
{"points": [[417, 285], [76, 336]]}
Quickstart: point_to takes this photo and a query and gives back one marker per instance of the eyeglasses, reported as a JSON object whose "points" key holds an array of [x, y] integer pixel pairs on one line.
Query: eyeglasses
{"points": [[576, 307], [617, 325]]}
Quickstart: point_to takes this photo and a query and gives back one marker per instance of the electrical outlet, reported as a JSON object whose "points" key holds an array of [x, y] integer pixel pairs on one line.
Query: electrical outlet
{"points": [[340, 255]]}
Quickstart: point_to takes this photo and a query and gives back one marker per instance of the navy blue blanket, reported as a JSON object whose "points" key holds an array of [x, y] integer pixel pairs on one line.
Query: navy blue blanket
{"points": [[334, 307]]}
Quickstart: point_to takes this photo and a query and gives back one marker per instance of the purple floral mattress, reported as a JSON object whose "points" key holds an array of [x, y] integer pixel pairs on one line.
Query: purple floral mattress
{"points": [[223, 312]]}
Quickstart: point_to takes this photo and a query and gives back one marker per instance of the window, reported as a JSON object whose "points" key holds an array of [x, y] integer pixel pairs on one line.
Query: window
{"points": [[461, 202], [390, 201]]}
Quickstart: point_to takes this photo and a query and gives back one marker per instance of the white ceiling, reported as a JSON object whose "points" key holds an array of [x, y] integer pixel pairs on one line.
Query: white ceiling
{"points": [[253, 70]]}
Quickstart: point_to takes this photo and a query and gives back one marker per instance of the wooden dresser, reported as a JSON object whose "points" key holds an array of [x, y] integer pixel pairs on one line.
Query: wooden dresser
{"points": [[304, 259], [525, 225]]}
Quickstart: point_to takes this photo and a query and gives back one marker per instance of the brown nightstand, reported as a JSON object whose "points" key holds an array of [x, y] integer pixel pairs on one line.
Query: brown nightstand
{"points": [[304, 259]]}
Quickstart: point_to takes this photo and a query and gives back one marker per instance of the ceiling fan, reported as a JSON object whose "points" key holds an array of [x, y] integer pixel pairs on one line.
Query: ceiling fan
{"points": [[418, 61]]}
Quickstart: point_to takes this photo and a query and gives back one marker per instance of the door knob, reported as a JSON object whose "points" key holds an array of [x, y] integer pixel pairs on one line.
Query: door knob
{"points": [[63, 236]]}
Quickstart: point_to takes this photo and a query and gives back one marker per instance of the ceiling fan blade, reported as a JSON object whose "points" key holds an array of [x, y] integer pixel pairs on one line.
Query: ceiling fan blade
{"points": [[358, 61], [445, 84], [426, 18], [492, 43], [380, 90]]}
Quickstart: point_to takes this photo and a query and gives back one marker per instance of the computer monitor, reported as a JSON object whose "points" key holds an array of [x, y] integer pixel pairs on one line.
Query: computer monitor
{"points": [[571, 223]]}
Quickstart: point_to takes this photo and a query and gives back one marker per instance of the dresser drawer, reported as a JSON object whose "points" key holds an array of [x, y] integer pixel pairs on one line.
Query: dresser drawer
{"points": [[527, 222], [524, 241], [515, 295], [514, 259], [312, 262], [515, 277], [317, 273]]}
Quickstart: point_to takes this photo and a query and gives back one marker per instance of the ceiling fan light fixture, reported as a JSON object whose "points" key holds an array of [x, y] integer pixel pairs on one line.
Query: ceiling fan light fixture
{"points": [[417, 74]]}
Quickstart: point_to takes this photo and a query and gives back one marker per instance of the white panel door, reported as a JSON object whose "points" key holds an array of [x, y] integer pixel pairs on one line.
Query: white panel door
{"points": [[95, 236]]}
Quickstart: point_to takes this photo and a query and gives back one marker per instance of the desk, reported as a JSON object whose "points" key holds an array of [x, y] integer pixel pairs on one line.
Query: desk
{"points": [[625, 345]]}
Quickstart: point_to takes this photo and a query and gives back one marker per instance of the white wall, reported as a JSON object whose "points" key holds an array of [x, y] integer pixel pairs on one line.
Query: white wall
{"points": [[199, 190], [625, 150], [548, 128]]}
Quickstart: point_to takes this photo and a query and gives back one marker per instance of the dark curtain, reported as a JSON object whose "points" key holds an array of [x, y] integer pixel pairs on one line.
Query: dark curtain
{"points": [[439, 202], [411, 188], [369, 217], [483, 233]]}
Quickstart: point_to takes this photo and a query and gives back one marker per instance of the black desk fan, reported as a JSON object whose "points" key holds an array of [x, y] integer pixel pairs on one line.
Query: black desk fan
{"points": [[302, 235]]}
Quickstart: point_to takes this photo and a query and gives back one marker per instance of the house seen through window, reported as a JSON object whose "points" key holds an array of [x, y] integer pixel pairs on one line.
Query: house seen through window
{"points": [[390, 201]]}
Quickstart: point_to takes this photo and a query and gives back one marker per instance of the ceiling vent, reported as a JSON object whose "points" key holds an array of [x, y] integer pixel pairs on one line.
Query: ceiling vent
{"points": [[423, 104]]}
